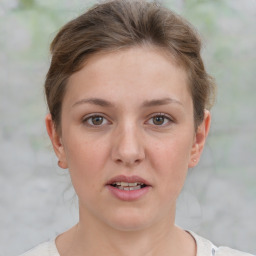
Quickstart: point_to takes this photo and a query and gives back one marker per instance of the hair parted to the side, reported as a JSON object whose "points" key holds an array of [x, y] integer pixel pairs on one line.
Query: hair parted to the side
{"points": [[119, 24]]}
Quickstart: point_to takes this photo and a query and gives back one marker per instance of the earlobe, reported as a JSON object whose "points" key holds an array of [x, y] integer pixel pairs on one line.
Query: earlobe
{"points": [[200, 139], [56, 141]]}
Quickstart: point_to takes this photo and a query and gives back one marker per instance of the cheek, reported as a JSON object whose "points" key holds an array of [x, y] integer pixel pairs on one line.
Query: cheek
{"points": [[86, 160], [172, 152], [170, 161]]}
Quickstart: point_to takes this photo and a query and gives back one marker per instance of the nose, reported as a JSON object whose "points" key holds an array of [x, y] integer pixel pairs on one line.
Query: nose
{"points": [[128, 147]]}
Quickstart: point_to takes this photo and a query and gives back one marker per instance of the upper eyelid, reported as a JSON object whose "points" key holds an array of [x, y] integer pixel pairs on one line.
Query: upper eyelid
{"points": [[161, 114], [87, 117], [93, 115]]}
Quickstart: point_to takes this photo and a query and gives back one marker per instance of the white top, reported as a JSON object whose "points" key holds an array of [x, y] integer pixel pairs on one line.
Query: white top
{"points": [[204, 248]]}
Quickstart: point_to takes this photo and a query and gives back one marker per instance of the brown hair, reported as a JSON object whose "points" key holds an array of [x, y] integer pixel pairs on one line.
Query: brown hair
{"points": [[120, 24]]}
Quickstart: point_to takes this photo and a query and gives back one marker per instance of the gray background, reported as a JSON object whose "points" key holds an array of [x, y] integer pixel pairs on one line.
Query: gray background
{"points": [[37, 201]]}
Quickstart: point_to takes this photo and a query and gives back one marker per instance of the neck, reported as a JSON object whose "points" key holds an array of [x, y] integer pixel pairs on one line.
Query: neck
{"points": [[91, 237]]}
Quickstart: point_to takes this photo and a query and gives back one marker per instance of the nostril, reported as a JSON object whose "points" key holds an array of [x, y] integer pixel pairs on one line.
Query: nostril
{"points": [[128, 162]]}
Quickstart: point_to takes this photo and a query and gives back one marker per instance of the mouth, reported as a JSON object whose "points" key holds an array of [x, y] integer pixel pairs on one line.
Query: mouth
{"points": [[128, 186], [128, 183]]}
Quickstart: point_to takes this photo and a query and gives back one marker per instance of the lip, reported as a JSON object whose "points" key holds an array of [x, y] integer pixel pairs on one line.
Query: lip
{"points": [[129, 179], [128, 195]]}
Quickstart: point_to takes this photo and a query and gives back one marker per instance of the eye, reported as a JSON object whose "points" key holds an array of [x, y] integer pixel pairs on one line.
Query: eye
{"points": [[95, 120], [160, 120]]}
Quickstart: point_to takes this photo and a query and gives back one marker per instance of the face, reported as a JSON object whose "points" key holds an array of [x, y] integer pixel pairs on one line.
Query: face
{"points": [[128, 137]]}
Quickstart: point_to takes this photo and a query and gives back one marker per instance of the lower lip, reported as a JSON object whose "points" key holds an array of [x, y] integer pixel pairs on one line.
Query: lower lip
{"points": [[128, 195]]}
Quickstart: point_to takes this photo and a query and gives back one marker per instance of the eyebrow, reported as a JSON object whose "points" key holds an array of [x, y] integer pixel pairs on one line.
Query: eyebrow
{"points": [[159, 102], [94, 101], [147, 103]]}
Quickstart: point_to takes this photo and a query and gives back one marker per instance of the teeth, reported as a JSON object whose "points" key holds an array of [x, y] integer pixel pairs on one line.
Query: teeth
{"points": [[132, 184], [135, 188], [129, 188], [127, 184]]}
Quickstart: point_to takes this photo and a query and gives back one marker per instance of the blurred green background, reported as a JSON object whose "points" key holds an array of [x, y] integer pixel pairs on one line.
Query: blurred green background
{"points": [[219, 198]]}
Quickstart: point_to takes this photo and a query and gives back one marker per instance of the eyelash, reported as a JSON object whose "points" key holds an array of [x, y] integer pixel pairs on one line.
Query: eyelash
{"points": [[166, 117], [86, 120]]}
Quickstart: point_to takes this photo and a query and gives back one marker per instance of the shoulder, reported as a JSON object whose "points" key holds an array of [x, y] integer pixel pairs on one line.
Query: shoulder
{"points": [[44, 249], [205, 247]]}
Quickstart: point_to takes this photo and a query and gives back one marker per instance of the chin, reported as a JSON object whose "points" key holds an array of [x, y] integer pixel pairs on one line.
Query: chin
{"points": [[130, 220]]}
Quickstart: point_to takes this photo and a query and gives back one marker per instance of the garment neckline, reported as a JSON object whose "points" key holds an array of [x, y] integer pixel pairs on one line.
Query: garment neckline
{"points": [[53, 251], [203, 246]]}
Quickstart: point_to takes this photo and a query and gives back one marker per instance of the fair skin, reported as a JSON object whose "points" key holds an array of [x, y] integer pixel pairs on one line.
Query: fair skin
{"points": [[128, 113]]}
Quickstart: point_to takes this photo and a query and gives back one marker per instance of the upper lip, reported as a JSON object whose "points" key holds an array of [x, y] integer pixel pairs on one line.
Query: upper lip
{"points": [[129, 179]]}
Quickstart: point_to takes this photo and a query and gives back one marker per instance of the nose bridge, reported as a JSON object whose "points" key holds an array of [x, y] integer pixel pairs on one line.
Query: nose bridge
{"points": [[128, 147]]}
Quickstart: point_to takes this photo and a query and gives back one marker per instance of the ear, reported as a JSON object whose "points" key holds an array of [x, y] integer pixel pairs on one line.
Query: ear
{"points": [[199, 140], [56, 142]]}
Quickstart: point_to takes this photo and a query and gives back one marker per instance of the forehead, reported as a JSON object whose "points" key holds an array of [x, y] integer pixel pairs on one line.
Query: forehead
{"points": [[139, 72]]}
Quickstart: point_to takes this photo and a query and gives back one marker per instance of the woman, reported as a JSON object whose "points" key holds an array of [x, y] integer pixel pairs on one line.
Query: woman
{"points": [[129, 102]]}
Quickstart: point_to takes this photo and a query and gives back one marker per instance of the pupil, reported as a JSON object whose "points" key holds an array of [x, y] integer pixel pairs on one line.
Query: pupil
{"points": [[97, 120], [158, 120]]}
